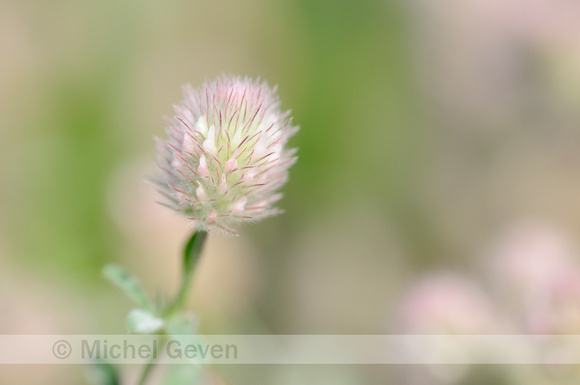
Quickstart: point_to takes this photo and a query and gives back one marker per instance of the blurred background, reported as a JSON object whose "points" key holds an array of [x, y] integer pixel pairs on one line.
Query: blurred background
{"points": [[438, 140]]}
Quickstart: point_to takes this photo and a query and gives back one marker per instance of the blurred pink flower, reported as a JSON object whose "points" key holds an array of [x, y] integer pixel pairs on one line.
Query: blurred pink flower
{"points": [[446, 303], [534, 271], [533, 288]]}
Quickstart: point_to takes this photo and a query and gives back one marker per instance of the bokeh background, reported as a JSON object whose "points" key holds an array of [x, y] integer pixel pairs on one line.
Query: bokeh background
{"points": [[431, 133]]}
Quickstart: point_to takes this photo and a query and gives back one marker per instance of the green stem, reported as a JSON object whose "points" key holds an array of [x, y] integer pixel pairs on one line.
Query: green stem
{"points": [[150, 365], [191, 256], [146, 371], [186, 281]]}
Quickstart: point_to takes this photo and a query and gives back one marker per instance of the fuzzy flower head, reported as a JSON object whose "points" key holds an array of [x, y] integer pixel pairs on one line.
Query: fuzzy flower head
{"points": [[225, 156]]}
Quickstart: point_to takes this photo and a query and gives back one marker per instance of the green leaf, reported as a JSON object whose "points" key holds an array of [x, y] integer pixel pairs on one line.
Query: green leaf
{"points": [[143, 322], [192, 250], [103, 373], [183, 374], [181, 323], [128, 284]]}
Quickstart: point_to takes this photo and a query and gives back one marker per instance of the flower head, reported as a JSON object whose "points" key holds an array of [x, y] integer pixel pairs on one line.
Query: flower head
{"points": [[225, 156]]}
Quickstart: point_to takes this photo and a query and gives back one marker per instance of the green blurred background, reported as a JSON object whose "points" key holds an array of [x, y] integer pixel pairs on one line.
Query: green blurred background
{"points": [[426, 128]]}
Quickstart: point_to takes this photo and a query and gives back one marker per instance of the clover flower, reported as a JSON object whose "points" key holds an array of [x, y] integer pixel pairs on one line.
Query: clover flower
{"points": [[225, 156]]}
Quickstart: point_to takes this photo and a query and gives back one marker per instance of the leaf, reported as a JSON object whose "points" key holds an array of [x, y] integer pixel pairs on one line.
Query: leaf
{"points": [[192, 250], [183, 374], [103, 373], [181, 323], [128, 284], [143, 322], [192, 348]]}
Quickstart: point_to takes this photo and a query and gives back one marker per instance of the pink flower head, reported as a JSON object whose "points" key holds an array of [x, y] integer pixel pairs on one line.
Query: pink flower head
{"points": [[225, 156], [448, 303]]}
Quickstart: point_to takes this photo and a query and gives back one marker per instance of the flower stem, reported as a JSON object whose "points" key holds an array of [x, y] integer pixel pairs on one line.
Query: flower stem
{"points": [[146, 372], [191, 255], [151, 364]]}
